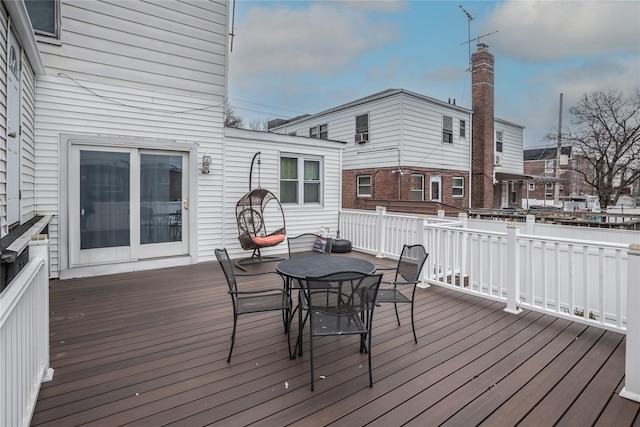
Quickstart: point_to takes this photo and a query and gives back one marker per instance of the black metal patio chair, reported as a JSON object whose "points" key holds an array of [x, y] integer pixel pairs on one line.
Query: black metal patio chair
{"points": [[342, 304], [407, 273], [254, 301], [309, 244]]}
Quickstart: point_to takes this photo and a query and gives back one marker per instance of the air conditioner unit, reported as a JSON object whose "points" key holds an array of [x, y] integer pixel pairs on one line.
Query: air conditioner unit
{"points": [[498, 160], [361, 138]]}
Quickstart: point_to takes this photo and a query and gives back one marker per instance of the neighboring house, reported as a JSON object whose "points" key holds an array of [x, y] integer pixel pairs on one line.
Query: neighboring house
{"points": [[401, 145], [110, 109], [540, 164]]}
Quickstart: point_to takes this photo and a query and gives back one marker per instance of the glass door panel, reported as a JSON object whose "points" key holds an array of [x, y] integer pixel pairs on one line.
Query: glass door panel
{"points": [[160, 198], [104, 199]]}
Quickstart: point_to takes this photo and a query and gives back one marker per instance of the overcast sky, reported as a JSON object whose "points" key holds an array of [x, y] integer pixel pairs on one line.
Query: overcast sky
{"points": [[302, 57]]}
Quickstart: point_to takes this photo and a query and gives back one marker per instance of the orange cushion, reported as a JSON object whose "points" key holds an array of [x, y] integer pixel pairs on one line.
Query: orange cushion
{"points": [[268, 240]]}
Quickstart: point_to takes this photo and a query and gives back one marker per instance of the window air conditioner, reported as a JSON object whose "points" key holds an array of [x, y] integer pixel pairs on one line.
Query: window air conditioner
{"points": [[498, 160], [361, 138]]}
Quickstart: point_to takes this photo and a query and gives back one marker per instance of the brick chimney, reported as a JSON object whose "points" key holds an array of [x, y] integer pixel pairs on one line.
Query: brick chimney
{"points": [[482, 144]]}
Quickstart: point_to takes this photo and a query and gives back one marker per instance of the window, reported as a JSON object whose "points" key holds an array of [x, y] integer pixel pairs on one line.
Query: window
{"points": [[457, 186], [324, 131], [417, 187], [321, 132], [447, 129], [299, 180], [362, 124], [532, 186], [548, 189], [463, 129], [548, 166], [435, 189], [44, 16], [498, 141], [364, 185]]}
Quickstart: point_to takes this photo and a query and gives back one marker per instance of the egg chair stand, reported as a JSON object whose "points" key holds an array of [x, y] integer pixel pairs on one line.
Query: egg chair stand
{"points": [[261, 222]]}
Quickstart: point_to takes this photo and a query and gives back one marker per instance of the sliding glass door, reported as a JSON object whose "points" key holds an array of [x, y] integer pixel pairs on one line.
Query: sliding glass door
{"points": [[126, 204]]}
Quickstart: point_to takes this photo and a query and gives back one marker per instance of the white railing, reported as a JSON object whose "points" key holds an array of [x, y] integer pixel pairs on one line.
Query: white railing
{"points": [[24, 338], [591, 282]]}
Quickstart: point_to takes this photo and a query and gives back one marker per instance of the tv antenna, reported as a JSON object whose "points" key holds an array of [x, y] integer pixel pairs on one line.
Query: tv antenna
{"points": [[469, 19], [478, 38]]}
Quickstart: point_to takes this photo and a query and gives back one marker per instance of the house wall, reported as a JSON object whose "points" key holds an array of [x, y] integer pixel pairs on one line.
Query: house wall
{"points": [[3, 119], [512, 147], [137, 71], [405, 130], [27, 135], [174, 47], [240, 147]]}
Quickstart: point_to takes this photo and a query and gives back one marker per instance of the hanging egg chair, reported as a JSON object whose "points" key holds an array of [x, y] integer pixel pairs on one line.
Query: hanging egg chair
{"points": [[260, 219]]}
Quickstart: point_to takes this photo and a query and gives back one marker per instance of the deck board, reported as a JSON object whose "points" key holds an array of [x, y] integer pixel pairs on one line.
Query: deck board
{"points": [[149, 348]]}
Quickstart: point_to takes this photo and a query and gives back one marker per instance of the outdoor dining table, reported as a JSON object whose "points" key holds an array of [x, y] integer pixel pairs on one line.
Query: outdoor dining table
{"points": [[299, 268]]}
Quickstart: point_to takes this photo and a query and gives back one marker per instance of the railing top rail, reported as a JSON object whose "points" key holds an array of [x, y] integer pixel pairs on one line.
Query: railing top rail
{"points": [[551, 239]]}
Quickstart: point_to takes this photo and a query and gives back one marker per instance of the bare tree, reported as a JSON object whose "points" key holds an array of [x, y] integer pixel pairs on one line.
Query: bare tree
{"points": [[257, 124], [606, 133], [231, 119]]}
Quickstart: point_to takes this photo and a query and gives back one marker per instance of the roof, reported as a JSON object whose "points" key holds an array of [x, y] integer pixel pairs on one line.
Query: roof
{"points": [[508, 176], [546, 153], [378, 95]]}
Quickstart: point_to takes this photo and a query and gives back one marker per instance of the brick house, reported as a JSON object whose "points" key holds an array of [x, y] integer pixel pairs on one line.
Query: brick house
{"points": [[404, 146]]}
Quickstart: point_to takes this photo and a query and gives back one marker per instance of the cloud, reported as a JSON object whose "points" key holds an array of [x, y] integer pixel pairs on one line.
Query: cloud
{"points": [[541, 31], [321, 38]]}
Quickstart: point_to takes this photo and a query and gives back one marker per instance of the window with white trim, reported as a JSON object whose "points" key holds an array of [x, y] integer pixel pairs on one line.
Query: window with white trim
{"points": [[457, 186], [548, 189], [44, 16], [447, 129], [548, 166], [364, 185], [463, 129], [532, 186], [417, 187], [300, 181], [499, 136]]}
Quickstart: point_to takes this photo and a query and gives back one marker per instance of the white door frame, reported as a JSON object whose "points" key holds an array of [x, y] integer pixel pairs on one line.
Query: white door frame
{"points": [[190, 217], [438, 181]]}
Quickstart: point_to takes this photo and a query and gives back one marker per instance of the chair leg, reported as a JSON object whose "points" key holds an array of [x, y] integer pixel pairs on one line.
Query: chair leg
{"points": [[413, 325], [395, 305], [311, 354], [370, 370], [233, 337]]}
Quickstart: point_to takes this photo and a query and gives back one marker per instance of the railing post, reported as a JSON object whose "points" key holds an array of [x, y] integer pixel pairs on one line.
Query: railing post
{"points": [[39, 248], [464, 219], [440, 213], [380, 225], [513, 269], [631, 388], [531, 224]]}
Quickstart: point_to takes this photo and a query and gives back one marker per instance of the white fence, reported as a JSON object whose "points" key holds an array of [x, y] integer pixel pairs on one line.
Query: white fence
{"points": [[24, 338], [592, 282]]}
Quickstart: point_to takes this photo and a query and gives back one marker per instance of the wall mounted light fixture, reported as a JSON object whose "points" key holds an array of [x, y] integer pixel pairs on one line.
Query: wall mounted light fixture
{"points": [[206, 163]]}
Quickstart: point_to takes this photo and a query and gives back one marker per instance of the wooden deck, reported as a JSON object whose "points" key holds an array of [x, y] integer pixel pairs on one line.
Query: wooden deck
{"points": [[150, 348]]}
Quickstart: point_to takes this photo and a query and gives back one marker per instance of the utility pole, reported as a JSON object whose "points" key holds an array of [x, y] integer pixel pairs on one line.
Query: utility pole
{"points": [[556, 185]]}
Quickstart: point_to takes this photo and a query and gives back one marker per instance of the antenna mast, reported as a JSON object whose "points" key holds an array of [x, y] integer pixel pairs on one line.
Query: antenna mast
{"points": [[469, 19]]}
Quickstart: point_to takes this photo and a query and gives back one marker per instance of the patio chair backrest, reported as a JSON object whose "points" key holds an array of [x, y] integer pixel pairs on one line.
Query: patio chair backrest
{"points": [[227, 268], [343, 293], [308, 244], [410, 264]]}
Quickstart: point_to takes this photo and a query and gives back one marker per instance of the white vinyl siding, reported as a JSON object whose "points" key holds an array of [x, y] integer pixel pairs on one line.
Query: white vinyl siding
{"points": [[402, 121], [241, 145], [96, 109], [4, 227], [171, 46], [512, 147], [27, 142]]}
